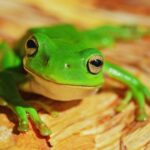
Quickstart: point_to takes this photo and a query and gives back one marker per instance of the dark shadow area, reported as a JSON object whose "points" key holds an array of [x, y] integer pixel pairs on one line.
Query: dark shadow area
{"points": [[46, 138], [56, 104]]}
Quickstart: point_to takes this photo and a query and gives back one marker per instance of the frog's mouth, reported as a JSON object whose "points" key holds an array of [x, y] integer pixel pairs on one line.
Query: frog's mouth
{"points": [[61, 92]]}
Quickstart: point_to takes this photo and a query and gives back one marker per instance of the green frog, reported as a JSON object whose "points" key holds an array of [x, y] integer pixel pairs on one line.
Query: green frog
{"points": [[64, 63]]}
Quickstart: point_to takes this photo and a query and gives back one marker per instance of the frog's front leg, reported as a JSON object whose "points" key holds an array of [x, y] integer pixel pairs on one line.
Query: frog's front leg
{"points": [[22, 111], [139, 91], [9, 92]]}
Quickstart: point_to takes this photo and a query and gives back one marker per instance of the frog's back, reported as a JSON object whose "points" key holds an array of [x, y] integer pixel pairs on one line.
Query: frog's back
{"points": [[63, 31], [65, 36]]}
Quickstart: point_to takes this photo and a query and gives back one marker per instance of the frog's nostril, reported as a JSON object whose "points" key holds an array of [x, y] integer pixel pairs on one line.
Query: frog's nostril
{"points": [[45, 59], [67, 66]]}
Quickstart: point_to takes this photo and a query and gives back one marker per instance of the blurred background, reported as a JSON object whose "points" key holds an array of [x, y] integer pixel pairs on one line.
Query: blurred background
{"points": [[16, 16]]}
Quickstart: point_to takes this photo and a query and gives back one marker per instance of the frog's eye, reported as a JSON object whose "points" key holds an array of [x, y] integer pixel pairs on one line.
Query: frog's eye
{"points": [[95, 64], [31, 46]]}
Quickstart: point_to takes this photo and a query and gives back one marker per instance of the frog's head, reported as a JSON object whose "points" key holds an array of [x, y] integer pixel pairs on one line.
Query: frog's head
{"points": [[60, 71]]}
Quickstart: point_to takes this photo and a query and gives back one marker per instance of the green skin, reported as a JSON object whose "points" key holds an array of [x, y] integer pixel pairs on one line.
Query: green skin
{"points": [[62, 56]]}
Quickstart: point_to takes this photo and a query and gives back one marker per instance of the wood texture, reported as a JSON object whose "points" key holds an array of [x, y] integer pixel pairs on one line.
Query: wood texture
{"points": [[91, 123]]}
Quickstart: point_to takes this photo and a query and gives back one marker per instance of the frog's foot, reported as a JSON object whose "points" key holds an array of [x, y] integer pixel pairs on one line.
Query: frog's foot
{"points": [[141, 116], [22, 112], [124, 102], [140, 95]]}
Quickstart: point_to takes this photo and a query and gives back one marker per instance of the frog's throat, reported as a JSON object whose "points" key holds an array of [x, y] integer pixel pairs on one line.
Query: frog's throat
{"points": [[57, 91]]}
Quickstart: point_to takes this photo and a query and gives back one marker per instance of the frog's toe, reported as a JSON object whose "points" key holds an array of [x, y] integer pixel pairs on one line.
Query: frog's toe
{"points": [[121, 107], [124, 103], [43, 129], [23, 119], [40, 125], [23, 126], [142, 116]]}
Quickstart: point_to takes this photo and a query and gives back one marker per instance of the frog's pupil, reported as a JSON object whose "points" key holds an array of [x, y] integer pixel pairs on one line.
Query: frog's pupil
{"points": [[96, 63], [31, 44]]}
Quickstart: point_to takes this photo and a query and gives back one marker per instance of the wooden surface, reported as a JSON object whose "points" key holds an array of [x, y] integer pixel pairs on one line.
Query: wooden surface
{"points": [[91, 123]]}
